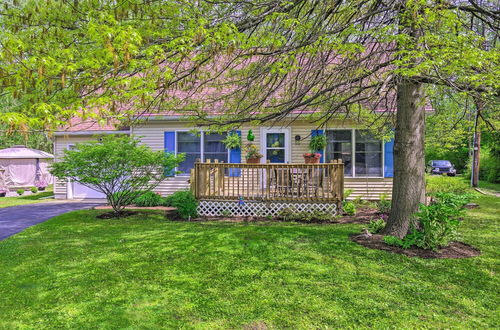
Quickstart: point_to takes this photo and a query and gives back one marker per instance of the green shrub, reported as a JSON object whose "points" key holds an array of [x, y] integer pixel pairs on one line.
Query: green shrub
{"points": [[291, 214], [34, 190], [384, 205], [438, 183], [185, 202], [393, 240], [149, 199], [437, 223], [20, 191], [489, 169], [349, 208], [376, 226]]}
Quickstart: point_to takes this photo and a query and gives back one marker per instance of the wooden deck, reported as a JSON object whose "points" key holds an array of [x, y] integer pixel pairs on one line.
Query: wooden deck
{"points": [[268, 182]]}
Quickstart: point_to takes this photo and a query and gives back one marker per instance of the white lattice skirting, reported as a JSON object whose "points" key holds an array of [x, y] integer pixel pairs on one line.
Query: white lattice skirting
{"points": [[260, 209]]}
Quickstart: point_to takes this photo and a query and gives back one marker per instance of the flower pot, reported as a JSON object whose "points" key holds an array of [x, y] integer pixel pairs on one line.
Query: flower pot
{"points": [[311, 159], [253, 160]]}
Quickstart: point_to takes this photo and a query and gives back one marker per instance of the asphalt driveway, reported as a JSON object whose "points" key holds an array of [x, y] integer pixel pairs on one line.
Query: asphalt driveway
{"points": [[17, 218]]}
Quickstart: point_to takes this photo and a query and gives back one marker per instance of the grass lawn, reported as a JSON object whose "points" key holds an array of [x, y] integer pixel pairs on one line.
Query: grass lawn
{"points": [[28, 199], [75, 271]]}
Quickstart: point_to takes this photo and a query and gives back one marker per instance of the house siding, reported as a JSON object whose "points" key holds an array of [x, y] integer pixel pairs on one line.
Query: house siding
{"points": [[62, 143], [152, 134]]}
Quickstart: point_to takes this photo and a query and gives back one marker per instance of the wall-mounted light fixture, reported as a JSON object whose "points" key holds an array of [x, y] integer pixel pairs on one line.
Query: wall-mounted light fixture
{"points": [[297, 139]]}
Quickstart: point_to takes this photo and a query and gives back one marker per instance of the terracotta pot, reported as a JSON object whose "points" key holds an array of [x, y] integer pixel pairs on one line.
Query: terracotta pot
{"points": [[253, 160], [311, 160]]}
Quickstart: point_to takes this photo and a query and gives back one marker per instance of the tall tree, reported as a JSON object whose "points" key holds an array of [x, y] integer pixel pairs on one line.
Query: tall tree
{"points": [[258, 61]]}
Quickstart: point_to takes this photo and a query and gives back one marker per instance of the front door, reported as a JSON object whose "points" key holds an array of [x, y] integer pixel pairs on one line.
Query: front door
{"points": [[275, 145]]}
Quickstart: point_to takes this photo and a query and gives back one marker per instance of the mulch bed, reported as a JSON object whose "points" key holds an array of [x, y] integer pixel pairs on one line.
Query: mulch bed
{"points": [[112, 215], [362, 216], [132, 210], [455, 250]]}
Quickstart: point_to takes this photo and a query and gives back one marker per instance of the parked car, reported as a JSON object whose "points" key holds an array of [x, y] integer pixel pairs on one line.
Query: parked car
{"points": [[441, 167]]}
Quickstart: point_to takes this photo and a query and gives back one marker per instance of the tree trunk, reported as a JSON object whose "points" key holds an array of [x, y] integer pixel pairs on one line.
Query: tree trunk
{"points": [[408, 189]]}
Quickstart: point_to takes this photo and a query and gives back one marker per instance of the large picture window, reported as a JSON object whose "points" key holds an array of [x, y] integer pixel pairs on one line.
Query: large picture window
{"points": [[339, 146], [368, 155], [203, 146], [359, 150]]}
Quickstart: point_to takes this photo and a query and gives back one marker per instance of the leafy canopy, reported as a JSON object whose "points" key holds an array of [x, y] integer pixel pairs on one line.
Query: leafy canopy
{"points": [[261, 59]]}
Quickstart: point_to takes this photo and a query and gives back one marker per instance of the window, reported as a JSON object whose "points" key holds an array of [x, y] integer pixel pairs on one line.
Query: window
{"points": [[368, 155], [203, 146], [357, 147], [339, 146], [275, 147]]}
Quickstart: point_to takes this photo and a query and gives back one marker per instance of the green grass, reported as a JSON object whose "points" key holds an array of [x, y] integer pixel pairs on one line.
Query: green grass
{"points": [[27, 199], [76, 271], [493, 187]]}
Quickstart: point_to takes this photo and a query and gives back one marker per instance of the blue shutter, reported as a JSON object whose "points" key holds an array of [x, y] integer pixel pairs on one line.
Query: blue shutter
{"points": [[169, 145], [389, 159], [235, 158], [315, 132]]}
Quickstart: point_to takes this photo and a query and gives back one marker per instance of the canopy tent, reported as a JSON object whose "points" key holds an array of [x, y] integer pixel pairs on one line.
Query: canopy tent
{"points": [[24, 167]]}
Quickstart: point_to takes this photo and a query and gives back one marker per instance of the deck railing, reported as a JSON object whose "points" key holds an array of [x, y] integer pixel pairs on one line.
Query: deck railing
{"points": [[268, 182]]}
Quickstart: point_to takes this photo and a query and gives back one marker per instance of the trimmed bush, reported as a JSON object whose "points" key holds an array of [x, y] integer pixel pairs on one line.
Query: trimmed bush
{"points": [[149, 199], [20, 192], [185, 202], [34, 190]]}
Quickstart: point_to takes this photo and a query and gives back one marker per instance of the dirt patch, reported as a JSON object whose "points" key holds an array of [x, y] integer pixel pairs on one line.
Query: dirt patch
{"points": [[363, 215], [455, 250]]}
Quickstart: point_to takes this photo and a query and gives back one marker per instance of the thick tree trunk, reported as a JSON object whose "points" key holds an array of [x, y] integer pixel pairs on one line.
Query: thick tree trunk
{"points": [[408, 189]]}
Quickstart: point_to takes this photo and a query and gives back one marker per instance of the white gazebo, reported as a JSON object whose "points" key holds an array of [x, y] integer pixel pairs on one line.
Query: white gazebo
{"points": [[24, 167]]}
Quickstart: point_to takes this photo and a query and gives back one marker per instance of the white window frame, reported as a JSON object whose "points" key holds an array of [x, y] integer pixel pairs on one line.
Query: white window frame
{"points": [[353, 152], [202, 146]]}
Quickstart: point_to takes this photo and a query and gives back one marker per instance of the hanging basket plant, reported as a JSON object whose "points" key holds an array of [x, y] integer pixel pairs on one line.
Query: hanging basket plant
{"points": [[232, 141]]}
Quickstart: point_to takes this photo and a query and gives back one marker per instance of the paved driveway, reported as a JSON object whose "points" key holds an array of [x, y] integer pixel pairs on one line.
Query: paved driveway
{"points": [[17, 218]]}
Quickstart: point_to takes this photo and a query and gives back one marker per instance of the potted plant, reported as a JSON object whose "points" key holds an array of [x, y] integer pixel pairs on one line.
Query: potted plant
{"points": [[3, 192], [41, 184], [253, 154], [312, 157], [232, 141], [316, 144]]}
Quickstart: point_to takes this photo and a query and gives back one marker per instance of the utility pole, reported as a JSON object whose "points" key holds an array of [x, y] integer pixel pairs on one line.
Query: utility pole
{"points": [[474, 179]]}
